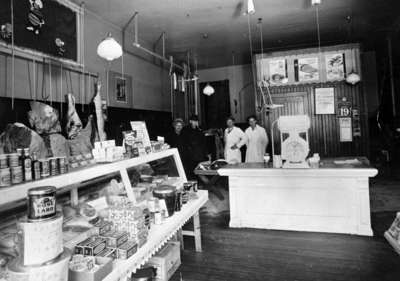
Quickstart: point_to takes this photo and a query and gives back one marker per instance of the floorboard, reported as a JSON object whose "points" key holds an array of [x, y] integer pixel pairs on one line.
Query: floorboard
{"points": [[253, 254]]}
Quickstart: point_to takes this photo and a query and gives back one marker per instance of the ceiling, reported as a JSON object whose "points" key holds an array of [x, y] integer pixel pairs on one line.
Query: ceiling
{"points": [[286, 24]]}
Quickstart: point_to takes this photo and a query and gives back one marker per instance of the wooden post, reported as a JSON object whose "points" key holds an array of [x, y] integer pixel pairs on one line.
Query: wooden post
{"points": [[392, 86]]}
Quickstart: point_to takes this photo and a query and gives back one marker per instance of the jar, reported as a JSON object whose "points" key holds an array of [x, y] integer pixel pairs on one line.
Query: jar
{"points": [[5, 177], [16, 175], [41, 203], [13, 159], [3, 161]]}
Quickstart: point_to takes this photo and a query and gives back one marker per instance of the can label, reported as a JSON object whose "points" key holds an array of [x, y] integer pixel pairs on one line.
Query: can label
{"points": [[42, 207], [5, 177]]}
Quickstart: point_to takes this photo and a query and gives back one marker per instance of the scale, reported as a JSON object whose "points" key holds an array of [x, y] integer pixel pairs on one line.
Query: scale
{"points": [[294, 140]]}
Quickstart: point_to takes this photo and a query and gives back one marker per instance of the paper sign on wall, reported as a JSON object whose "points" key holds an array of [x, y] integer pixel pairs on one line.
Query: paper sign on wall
{"points": [[345, 128], [325, 101]]}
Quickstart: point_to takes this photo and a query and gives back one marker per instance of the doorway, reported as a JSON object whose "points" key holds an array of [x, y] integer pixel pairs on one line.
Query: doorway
{"points": [[215, 108]]}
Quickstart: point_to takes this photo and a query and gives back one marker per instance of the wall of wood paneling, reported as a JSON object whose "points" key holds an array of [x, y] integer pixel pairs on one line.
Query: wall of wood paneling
{"points": [[324, 132]]}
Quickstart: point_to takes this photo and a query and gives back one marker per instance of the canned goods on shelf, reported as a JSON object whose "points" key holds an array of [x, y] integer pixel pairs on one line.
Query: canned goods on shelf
{"points": [[3, 161], [44, 168], [41, 203], [5, 177], [13, 159], [16, 175]]}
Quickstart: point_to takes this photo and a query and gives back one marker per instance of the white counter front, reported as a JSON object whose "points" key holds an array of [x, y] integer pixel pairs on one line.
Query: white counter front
{"points": [[333, 198]]}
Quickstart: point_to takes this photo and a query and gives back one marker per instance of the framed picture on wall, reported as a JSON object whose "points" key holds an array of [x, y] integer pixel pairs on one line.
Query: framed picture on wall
{"points": [[335, 67], [120, 86], [277, 71], [306, 69]]}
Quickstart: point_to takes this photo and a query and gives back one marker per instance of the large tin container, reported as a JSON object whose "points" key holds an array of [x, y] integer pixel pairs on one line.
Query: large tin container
{"points": [[39, 241], [55, 270], [41, 203]]}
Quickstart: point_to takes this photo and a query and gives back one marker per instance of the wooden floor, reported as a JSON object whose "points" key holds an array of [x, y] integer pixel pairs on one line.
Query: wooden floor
{"points": [[249, 254]]}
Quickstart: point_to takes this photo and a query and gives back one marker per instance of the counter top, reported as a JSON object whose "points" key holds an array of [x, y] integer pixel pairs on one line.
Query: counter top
{"points": [[328, 167]]}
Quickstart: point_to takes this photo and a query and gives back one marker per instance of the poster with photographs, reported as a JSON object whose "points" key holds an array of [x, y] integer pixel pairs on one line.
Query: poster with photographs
{"points": [[335, 67], [277, 71], [307, 69]]}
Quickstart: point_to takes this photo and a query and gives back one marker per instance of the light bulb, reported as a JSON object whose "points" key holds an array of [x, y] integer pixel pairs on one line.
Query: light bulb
{"points": [[208, 90], [250, 7]]}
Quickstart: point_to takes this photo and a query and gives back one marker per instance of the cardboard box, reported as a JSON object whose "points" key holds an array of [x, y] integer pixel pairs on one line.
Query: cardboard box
{"points": [[166, 261], [98, 274]]}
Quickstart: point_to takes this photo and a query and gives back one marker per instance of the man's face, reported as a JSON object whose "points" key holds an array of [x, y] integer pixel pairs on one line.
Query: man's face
{"points": [[252, 122], [194, 124], [229, 123], [178, 127]]}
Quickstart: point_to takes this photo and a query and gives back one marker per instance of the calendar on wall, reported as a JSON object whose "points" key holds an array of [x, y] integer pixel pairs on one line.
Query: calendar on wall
{"points": [[45, 26]]}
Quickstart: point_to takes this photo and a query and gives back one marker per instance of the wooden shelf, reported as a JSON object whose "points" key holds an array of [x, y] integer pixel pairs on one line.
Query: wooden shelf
{"points": [[75, 177], [392, 242]]}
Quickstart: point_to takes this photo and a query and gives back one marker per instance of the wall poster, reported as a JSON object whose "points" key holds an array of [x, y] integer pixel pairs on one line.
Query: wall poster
{"points": [[278, 71], [120, 87], [306, 69], [345, 129], [335, 69], [325, 101]]}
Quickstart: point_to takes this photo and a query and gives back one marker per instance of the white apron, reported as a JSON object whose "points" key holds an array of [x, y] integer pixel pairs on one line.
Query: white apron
{"points": [[235, 136], [257, 141]]}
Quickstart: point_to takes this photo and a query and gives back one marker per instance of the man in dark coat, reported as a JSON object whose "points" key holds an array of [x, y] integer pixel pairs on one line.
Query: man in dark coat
{"points": [[195, 145], [176, 139]]}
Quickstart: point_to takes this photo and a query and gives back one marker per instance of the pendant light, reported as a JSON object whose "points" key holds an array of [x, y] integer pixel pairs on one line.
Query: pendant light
{"points": [[208, 90], [353, 77], [250, 7], [109, 49]]}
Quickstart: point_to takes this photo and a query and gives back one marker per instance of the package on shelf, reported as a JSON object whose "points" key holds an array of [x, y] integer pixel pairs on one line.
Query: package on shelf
{"points": [[166, 261], [81, 160], [394, 229], [89, 268], [107, 151], [126, 250]]}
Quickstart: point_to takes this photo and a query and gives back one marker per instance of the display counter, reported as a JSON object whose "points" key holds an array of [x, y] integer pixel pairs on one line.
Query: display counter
{"points": [[333, 198]]}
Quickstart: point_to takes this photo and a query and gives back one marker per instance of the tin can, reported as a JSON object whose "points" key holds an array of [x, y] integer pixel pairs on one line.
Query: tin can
{"points": [[5, 177], [44, 168], [3, 161], [195, 185], [62, 165], [178, 205], [41, 203], [54, 166], [16, 175], [13, 159]]}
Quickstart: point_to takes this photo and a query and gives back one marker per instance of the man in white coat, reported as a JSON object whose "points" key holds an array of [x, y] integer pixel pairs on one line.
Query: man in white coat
{"points": [[234, 140], [257, 141]]}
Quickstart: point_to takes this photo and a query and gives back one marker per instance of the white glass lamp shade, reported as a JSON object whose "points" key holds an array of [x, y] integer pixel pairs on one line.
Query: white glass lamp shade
{"points": [[353, 78], [250, 7], [208, 90], [315, 2], [109, 48]]}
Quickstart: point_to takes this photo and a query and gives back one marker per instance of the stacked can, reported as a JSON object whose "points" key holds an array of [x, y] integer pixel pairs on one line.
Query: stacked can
{"points": [[15, 161], [63, 165], [5, 175]]}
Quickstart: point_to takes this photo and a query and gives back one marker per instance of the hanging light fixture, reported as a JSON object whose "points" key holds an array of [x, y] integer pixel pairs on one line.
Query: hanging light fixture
{"points": [[109, 48], [208, 90], [353, 78], [315, 2], [250, 7]]}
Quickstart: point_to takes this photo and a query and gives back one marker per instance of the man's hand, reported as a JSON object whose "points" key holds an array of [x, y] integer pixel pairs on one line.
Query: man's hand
{"points": [[233, 147]]}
